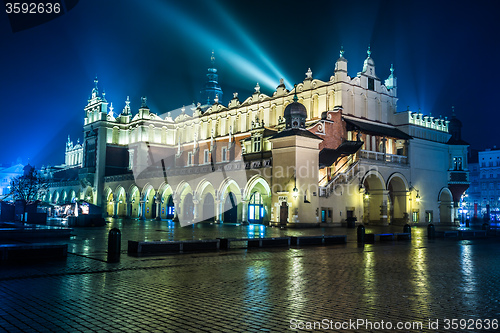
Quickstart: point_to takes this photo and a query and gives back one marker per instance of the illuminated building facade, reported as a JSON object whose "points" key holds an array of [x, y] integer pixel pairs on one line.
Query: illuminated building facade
{"points": [[482, 199], [321, 153]]}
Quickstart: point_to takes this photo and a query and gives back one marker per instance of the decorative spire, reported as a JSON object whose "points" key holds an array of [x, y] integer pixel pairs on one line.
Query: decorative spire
{"points": [[235, 95], [295, 98], [183, 109], [111, 108], [257, 88], [126, 109], [144, 99], [216, 99], [309, 74], [212, 86], [342, 51], [392, 69], [369, 51], [95, 91]]}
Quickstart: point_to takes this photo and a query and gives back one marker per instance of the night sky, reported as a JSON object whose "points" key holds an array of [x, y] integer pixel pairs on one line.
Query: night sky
{"points": [[444, 53]]}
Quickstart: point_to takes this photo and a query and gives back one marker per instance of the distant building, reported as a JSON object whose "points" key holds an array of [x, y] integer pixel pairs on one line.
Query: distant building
{"points": [[321, 153], [6, 175], [483, 197]]}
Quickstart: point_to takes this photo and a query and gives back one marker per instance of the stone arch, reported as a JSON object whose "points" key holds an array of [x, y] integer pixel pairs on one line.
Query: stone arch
{"points": [[445, 201], [184, 205], [374, 198], [48, 196], [148, 202], [109, 199], [64, 197], [397, 187], [258, 201], [120, 201], [165, 194], [230, 200], [55, 197], [134, 198], [89, 195], [72, 195], [205, 195]]}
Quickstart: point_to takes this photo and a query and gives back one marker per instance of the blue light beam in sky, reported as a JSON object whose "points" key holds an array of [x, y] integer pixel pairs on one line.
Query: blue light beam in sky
{"points": [[202, 35]]}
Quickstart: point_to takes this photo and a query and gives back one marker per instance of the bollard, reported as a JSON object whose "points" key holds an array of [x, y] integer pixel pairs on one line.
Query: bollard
{"points": [[361, 233], [407, 229], [431, 231], [467, 223], [486, 226], [114, 245]]}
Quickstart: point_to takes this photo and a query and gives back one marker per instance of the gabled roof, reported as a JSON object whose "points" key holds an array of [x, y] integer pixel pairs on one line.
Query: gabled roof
{"points": [[374, 128]]}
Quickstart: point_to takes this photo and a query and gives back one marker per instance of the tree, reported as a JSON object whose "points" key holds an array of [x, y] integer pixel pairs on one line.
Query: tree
{"points": [[28, 186]]}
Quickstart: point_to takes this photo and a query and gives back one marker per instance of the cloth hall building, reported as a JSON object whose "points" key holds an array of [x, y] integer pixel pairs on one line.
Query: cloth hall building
{"points": [[321, 153]]}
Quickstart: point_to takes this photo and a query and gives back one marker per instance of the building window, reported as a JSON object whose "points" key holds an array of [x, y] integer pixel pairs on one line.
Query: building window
{"points": [[190, 159], [415, 215], [457, 163], [206, 156], [224, 154], [257, 144], [371, 84]]}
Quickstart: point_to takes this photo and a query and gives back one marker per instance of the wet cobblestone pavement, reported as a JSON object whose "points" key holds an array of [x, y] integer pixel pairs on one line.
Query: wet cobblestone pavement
{"points": [[257, 290]]}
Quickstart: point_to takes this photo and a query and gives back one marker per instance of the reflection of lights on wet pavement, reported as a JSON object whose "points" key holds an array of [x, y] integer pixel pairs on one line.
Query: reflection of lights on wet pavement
{"points": [[256, 231]]}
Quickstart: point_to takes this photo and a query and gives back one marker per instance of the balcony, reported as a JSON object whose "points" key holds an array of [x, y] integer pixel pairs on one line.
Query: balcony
{"points": [[382, 157], [458, 177]]}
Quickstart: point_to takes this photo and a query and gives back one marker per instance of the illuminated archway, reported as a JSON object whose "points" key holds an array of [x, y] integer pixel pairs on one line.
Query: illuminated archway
{"points": [[134, 199], [64, 197], [149, 202], [110, 200], [72, 196], [445, 206], [185, 208], [205, 194], [258, 196], [89, 195], [373, 198], [55, 197], [397, 205], [167, 208], [121, 202], [230, 196]]}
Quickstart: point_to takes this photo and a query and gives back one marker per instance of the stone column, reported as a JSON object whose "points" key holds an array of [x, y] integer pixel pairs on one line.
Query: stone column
{"points": [[218, 211], [196, 217], [129, 208], [366, 207], [383, 208], [158, 209], [115, 208], [142, 210], [177, 209], [244, 211]]}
